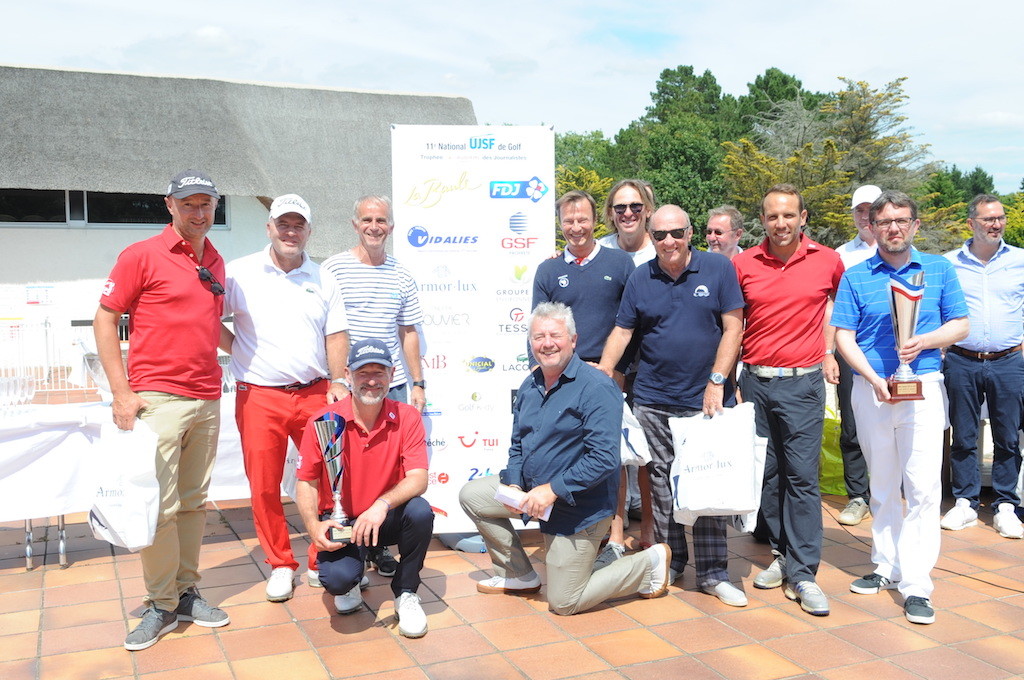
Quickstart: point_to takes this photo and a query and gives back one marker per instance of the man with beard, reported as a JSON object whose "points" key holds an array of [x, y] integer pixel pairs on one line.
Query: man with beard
{"points": [[902, 439], [384, 476], [986, 367]]}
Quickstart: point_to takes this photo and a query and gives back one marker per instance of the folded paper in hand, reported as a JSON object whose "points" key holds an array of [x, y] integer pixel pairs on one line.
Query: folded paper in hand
{"points": [[513, 497]]}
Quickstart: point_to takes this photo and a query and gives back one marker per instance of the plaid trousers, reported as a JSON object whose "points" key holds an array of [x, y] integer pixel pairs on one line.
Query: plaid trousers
{"points": [[710, 553]]}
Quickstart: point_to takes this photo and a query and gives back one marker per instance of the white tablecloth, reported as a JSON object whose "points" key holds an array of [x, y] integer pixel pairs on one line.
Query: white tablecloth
{"points": [[45, 459]]}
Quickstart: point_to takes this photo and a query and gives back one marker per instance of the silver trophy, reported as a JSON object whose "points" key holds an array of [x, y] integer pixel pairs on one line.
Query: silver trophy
{"points": [[905, 297], [328, 434]]}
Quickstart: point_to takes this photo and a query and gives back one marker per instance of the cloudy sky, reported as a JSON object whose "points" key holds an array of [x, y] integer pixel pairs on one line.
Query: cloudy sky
{"points": [[576, 65]]}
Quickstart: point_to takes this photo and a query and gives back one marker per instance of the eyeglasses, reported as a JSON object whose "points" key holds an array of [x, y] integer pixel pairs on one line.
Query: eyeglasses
{"points": [[719, 232], [206, 275], [674, 233], [620, 208], [901, 222], [991, 221]]}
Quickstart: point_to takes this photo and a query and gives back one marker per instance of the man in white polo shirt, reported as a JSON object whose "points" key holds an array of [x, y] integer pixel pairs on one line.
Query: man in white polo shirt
{"points": [[290, 336]]}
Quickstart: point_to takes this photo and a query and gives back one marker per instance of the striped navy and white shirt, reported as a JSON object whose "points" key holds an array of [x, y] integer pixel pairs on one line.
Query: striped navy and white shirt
{"points": [[378, 299]]}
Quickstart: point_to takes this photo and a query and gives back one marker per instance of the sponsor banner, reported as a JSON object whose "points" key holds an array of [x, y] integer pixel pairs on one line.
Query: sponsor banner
{"points": [[474, 216]]}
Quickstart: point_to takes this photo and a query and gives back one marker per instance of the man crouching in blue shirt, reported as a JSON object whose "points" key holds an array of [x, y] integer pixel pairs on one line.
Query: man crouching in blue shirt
{"points": [[565, 455]]}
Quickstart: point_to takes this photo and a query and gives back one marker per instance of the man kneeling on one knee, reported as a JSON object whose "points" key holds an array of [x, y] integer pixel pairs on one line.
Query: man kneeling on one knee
{"points": [[383, 477], [565, 455]]}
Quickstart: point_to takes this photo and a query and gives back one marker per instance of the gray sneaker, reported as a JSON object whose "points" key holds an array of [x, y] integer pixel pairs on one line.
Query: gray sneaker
{"points": [[872, 584], [919, 610], [611, 552], [812, 600], [192, 607], [773, 576], [155, 622]]}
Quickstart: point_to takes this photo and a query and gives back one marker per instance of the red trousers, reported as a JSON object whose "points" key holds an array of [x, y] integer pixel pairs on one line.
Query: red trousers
{"points": [[266, 418]]}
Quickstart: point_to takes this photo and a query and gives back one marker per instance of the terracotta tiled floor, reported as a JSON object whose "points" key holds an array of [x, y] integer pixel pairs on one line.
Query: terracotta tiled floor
{"points": [[70, 623]]}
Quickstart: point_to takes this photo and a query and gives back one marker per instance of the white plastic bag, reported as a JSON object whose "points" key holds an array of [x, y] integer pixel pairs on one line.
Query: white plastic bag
{"points": [[127, 501], [635, 450], [718, 468]]}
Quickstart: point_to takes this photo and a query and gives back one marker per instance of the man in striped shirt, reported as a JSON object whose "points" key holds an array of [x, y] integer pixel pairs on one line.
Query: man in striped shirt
{"points": [[381, 299]]}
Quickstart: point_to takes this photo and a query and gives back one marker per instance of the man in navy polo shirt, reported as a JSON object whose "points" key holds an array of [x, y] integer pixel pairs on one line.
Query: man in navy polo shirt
{"points": [[902, 440], [687, 309]]}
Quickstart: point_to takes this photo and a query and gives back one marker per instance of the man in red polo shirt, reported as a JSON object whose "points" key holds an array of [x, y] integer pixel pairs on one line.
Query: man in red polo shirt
{"points": [[383, 477], [788, 283], [170, 285]]}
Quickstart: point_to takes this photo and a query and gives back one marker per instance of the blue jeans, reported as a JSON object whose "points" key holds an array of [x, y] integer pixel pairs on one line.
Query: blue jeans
{"points": [[997, 382], [400, 393]]}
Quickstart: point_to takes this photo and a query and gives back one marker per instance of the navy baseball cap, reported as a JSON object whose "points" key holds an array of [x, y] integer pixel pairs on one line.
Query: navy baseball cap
{"points": [[190, 182], [371, 351]]}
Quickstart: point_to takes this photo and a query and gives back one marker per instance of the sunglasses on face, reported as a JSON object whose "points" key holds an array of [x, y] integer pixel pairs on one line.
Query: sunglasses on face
{"points": [[206, 275], [620, 208], [674, 233]]}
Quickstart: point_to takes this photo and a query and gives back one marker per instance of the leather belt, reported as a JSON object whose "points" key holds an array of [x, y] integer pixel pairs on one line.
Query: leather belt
{"points": [[291, 388], [779, 372], [982, 356]]}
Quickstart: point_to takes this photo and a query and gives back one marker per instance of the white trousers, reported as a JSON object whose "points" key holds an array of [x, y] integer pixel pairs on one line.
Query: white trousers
{"points": [[902, 444]]}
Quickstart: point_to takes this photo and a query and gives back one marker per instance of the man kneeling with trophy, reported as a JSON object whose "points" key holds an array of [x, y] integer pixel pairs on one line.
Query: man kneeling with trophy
{"points": [[893, 313], [365, 458]]}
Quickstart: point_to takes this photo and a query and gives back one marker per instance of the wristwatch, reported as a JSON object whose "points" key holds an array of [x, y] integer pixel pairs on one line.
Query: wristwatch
{"points": [[343, 383], [717, 379], [419, 383]]}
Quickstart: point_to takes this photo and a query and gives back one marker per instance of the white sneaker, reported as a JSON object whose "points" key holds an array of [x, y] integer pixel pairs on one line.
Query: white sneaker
{"points": [[350, 602], [412, 622], [1006, 522], [660, 556], [281, 584], [528, 583], [960, 516], [727, 593]]}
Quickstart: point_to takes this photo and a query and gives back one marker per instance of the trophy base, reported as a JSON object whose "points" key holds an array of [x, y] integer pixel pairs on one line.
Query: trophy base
{"points": [[904, 390], [342, 535]]}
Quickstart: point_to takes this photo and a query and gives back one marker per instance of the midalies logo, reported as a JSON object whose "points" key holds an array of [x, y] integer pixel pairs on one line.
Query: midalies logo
{"points": [[533, 189], [420, 237]]}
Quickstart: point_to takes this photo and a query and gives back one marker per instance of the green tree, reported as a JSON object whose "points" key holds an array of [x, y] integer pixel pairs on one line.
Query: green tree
{"points": [[590, 150], [772, 88], [1014, 234], [814, 169], [869, 128]]}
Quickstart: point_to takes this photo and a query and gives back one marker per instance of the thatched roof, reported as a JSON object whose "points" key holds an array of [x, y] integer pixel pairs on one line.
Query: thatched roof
{"points": [[129, 133]]}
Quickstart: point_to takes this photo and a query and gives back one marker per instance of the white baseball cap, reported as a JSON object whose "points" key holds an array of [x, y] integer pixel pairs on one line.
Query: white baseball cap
{"points": [[865, 194], [290, 203]]}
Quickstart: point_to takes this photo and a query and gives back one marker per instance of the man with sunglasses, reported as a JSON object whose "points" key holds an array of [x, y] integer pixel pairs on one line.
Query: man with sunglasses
{"points": [[686, 308], [290, 335], [788, 283], [170, 286], [986, 367]]}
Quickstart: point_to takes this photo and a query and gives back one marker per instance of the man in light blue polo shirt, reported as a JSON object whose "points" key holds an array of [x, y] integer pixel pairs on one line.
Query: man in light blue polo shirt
{"points": [[987, 367], [902, 440]]}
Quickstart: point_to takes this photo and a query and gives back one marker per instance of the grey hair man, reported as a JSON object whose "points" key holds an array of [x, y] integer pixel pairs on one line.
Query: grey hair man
{"points": [[724, 231]]}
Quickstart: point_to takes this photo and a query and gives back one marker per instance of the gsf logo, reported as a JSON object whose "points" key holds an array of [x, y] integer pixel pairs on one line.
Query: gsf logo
{"points": [[519, 242]]}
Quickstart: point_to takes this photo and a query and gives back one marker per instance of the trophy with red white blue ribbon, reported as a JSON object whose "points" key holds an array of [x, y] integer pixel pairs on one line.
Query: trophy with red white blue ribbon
{"points": [[904, 307]]}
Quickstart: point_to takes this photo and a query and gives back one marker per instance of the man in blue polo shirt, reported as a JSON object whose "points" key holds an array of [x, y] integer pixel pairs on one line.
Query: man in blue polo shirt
{"points": [[902, 440], [987, 367], [565, 458], [687, 309]]}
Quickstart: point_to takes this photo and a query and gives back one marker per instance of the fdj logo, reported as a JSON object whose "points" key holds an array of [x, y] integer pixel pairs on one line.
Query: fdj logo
{"points": [[533, 189], [481, 142]]}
